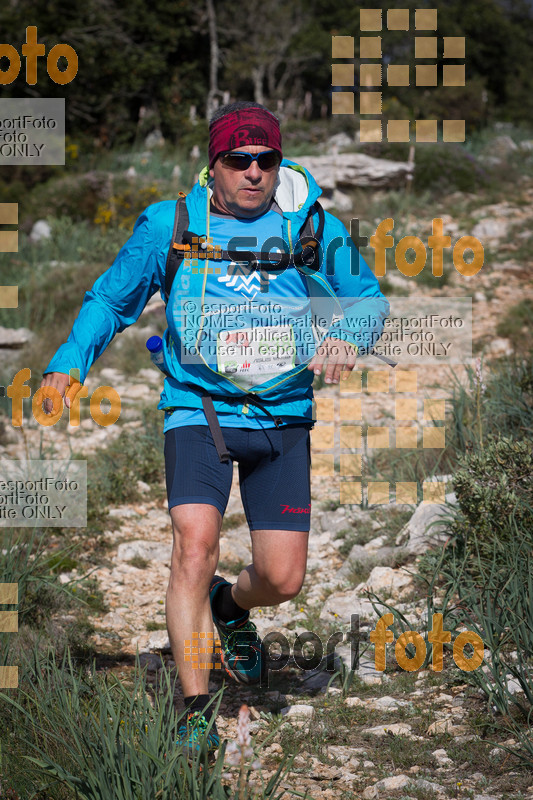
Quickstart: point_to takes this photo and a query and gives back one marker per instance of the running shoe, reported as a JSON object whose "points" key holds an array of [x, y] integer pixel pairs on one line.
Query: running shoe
{"points": [[196, 733], [241, 650]]}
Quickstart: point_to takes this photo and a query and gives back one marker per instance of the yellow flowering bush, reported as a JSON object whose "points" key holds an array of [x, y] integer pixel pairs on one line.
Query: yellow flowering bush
{"points": [[123, 207]]}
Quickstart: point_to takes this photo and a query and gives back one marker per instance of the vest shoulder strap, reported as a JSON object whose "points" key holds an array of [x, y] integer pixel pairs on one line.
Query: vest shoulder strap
{"points": [[175, 257]]}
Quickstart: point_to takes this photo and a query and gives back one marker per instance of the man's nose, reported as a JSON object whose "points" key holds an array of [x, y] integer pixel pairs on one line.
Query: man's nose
{"points": [[253, 172]]}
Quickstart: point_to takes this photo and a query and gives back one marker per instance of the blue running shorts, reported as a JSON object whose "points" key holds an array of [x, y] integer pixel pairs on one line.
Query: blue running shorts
{"points": [[274, 472]]}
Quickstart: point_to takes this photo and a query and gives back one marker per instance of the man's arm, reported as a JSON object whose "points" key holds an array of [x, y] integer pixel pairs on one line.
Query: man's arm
{"points": [[115, 301]]}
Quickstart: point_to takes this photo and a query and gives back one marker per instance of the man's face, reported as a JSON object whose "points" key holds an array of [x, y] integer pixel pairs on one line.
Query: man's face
{"points": [[247, 193]]}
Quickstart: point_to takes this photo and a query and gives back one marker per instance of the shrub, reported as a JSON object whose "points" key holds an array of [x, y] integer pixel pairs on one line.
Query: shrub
{"points": [[516, 324], [493, 487], [124, 206], [74, 196], [502, 407], [447, 168]]}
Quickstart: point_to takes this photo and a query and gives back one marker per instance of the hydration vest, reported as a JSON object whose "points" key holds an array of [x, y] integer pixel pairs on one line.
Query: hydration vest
{"points": [[186, 244]]}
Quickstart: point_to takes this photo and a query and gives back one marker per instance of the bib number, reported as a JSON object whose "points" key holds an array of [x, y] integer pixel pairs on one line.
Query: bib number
{"points": [[255, 355]]}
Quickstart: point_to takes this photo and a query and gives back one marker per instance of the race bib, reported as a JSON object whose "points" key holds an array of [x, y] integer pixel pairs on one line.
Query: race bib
{"points": [[252, 356]]}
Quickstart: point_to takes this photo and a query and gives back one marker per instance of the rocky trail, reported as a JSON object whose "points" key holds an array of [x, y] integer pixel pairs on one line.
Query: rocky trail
{"points": [[394, 734], [391, 734]]}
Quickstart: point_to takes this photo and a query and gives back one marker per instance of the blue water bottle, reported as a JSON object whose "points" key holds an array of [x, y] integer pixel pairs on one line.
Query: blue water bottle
{"points": [[155, 348]]}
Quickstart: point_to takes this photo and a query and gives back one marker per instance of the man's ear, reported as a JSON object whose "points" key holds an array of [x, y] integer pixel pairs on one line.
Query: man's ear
{"points": [[212, 172]]}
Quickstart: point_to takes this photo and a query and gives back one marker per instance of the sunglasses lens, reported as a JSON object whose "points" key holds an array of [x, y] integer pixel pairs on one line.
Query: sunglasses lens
{"points": [[242, 161], [236, 160], [268, 160]]}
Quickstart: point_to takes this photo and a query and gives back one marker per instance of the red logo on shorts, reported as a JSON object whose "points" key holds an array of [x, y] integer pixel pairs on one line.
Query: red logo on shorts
{"points": [[289, 510]]}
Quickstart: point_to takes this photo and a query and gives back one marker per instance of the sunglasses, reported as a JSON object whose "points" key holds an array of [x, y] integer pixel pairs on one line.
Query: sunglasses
{"points": [[241, 161]]}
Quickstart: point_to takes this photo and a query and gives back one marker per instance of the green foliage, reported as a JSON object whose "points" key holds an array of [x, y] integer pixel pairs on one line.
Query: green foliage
{"points": [[124, 206], [24, 561], [505, 408], [139, 562], [129, 56], [517, 324], [495, 492], [399, 464], [495, 601], [75, 196], [142, 67], [103, 739], [61, 563], [484, 574], [88, 592], [152, 625], [43, 601], [346, 678], [447, 168]]}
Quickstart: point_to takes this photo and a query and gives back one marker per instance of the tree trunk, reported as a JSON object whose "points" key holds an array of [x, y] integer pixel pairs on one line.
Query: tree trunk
{"points": [[212, 95], [258, 76]]}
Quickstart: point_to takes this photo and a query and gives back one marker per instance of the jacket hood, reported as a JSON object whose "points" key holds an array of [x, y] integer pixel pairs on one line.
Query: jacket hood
{"points": [[295, 192]]}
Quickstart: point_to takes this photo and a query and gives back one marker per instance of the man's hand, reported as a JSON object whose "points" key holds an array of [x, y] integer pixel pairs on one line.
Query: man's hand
{"points": [[340, 357], [68, 388]]}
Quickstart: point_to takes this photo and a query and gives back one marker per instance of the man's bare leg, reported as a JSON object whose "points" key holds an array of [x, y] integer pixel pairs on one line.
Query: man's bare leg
{"points": [[277, 571], [269, 580], [195, 551]]}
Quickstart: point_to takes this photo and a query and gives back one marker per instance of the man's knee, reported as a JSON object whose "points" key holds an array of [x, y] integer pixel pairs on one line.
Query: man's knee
{"points": [[283, 586], [192, 569], [195, 549]]}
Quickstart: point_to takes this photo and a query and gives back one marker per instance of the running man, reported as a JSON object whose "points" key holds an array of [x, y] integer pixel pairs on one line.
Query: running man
{"points": [[253, 253]]}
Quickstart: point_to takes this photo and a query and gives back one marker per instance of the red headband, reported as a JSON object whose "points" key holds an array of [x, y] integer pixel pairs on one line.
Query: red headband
{"points": [[241, 128]]}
